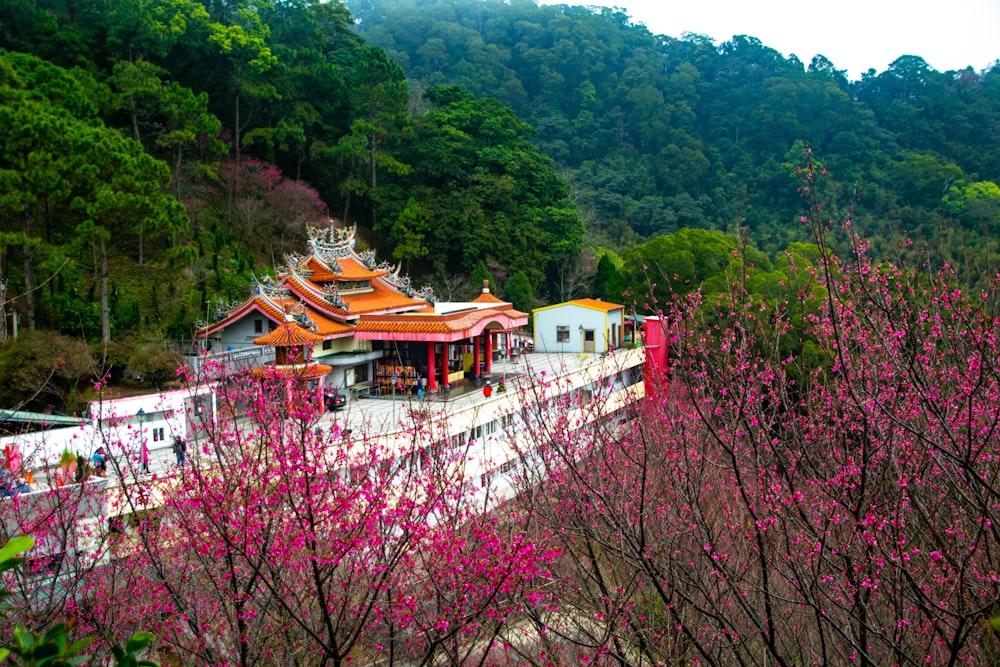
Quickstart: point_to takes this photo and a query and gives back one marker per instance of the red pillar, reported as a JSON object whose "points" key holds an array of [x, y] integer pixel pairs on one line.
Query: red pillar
{"points": [[444, 365], [475, 356], [489, 351], [655, 371], [431, 383]]}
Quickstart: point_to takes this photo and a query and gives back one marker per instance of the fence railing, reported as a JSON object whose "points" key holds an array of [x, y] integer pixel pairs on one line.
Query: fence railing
{"points": [[229, 362]]}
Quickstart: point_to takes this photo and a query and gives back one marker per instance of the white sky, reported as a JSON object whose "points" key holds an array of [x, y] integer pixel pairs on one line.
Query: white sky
{"points": [[854, 35]]}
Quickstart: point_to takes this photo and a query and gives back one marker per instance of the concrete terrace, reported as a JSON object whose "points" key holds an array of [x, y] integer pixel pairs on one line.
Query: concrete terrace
{"points": [[385, 414]]}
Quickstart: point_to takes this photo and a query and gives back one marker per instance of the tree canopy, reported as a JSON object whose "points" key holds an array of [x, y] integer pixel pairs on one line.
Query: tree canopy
{"points": [[533, 138]]}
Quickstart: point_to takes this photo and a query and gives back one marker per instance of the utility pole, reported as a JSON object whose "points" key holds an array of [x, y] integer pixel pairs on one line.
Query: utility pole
{"points": [[3, 309]]}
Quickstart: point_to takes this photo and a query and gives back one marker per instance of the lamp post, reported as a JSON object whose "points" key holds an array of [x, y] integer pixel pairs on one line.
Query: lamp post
{"points": [[143, 451], [395, 379]]}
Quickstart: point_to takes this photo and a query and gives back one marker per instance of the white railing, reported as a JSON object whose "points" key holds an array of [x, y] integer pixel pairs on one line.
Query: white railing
{"points": [[229, 362]]}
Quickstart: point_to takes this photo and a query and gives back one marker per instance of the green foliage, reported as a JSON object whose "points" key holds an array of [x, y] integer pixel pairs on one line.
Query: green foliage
{"points": [[480, 276], [510, 102], [658, 133], [127, 656], [977, 204], [409, 232], [678, 263], [154, 364], [54, 647], [10, 556], [42, 369], [486, 191], [519, 292], [609, 283]]}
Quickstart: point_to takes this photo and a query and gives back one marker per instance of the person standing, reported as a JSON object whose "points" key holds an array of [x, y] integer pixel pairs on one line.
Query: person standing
{"points": [[100, 460], [180, 450], [487, 389]]}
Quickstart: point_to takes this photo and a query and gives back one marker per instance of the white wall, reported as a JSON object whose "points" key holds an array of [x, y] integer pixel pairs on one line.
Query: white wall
{"points": [[113, 422], [575, 317]]}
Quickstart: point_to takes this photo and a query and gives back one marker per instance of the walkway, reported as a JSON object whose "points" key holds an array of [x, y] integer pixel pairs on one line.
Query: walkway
{"points": [[388, 413], [385, 414]]}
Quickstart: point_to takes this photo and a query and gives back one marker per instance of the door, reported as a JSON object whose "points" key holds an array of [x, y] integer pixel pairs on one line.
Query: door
{"points": [[588, 340]]}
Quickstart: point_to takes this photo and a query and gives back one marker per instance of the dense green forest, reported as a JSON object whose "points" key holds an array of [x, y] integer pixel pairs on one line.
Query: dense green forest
{"points": [[159, 153], [659, 133]]}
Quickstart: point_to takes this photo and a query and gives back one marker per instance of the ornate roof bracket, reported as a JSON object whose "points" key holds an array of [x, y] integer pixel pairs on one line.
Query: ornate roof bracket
{"points": [[302, 319], [268, 287], [367, 258], [426, 293], [332, 296]]}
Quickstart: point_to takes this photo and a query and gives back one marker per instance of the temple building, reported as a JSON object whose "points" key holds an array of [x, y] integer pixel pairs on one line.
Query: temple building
{"points": [[335, 317]]}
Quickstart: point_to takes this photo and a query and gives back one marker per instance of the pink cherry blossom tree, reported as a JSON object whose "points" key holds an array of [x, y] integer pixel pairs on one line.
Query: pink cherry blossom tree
{"points": [[278, 542], [770, 508]]}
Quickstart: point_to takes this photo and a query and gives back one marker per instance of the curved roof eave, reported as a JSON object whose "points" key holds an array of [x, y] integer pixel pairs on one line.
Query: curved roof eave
{"points": [[252, 304], [437, 330]]}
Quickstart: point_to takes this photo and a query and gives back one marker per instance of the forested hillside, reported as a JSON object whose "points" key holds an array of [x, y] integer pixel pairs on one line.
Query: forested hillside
{"points": [[659, 133], [158, 154]]}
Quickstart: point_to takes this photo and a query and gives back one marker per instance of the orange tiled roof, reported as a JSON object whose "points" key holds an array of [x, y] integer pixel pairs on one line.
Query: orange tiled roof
{"points": [[426, 323], [352, 269], [274, 309], [314, 371], [327, 327], [310, 293], [308, 290], [597, 304], [271, 308], [379, 298], [310, 372], [321, 273], [382, 297], [288, 334], [487, 297]]}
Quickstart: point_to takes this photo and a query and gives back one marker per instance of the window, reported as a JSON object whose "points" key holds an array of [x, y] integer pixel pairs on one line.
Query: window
{"points": [[258, 326], [158, 434], [562, 334], [327, 344]]}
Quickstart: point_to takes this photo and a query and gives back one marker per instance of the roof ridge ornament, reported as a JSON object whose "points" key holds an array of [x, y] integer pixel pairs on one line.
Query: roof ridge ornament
{"points": [[426, 293], [367, 258], [331, 294], [302, 319], [331, 243], [268, 287], [298, 314]]}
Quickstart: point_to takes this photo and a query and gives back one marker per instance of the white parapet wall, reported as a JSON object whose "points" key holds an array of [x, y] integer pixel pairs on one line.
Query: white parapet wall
{"points": [[153, 419]]}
